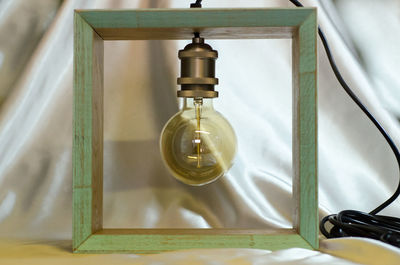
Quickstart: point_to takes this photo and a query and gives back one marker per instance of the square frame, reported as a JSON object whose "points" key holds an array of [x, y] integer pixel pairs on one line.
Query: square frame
{"points": [[92, 27]]}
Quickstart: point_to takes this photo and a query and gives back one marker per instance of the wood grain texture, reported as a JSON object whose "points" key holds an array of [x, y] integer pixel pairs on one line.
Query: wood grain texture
{"points": [[158, 241], [91, 27], [187, 33], [88, 132], [195, 231], [213, 23], [305, 140]]}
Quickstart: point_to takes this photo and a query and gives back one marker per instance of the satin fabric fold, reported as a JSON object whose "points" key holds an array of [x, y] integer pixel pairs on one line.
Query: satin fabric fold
{"points": [[356, 168]]}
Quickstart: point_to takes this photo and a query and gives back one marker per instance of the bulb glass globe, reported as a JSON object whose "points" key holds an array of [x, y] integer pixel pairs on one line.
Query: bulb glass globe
{"points": [[198, 144]]}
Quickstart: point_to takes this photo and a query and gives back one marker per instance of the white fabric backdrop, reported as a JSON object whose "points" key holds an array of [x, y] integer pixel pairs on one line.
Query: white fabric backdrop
{"points": [[356, 168]]}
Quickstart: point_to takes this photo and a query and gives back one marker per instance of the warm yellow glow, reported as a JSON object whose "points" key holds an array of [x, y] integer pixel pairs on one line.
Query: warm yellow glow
{"points": [[198, 144]]}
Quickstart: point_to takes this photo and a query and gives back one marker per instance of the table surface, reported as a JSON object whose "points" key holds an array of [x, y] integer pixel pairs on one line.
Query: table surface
{"points": [[345, 251]]}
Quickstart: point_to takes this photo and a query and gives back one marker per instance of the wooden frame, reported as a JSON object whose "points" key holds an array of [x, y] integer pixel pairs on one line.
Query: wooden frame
{"points": [[93, 26]]}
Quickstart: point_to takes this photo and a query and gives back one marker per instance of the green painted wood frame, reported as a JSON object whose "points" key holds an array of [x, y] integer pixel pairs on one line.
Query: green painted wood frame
{"points": [[91, 27]]}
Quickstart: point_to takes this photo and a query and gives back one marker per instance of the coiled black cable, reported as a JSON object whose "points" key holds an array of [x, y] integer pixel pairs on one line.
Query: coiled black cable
{"points": [[356, 223]]}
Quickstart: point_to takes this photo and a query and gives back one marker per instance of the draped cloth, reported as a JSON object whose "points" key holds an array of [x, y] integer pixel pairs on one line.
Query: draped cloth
{"points": [[356, 168]]}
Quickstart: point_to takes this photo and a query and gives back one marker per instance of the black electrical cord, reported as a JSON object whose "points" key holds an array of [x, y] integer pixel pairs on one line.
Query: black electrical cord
{"points": [[351, 222], [356, 223], [197, 4]]}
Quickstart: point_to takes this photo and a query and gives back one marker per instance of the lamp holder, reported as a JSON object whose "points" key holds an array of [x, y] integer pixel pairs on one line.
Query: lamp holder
{"points": [[197, 78]]}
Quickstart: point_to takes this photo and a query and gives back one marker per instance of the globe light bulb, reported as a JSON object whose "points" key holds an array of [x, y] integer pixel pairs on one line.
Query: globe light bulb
{"points": [[198, 144]]}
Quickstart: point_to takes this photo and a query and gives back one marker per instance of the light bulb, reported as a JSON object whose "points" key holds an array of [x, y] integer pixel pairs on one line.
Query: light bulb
{"points": [[198, 144]]}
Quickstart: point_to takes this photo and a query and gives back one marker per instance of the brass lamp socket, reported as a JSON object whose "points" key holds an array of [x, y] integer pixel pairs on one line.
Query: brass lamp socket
{"points": [[197, 70]]}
